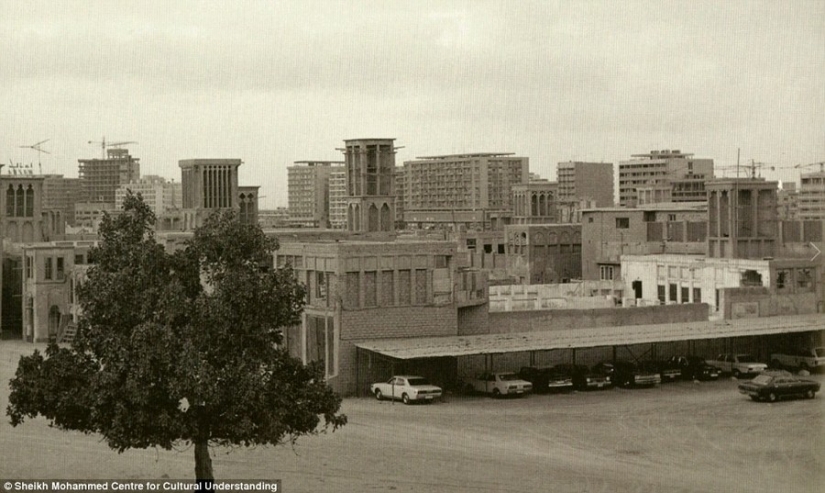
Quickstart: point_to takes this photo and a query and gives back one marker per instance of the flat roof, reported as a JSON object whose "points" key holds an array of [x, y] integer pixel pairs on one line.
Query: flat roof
{"points": [[468, 155], [433, 347]]}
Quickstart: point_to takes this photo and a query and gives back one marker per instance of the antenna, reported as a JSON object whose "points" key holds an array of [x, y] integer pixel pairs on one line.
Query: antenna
{"points": [[39, 150], [104, 145]]}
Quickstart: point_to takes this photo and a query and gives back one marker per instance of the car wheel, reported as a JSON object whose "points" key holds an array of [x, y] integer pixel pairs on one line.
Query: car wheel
{"points": [[378, 394], [405, 399], [496, 393], [809, 394], [772, 397]]}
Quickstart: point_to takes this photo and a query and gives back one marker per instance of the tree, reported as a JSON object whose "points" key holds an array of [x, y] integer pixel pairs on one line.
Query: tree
{"points": [[181, 347]]}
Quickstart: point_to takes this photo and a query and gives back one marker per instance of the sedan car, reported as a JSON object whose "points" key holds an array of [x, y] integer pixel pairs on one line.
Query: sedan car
{"points": [[547, 379], [629, 374], [407, 388], [584, 378], [695, 368], [666, 370], [772, 386], [499, 384]]}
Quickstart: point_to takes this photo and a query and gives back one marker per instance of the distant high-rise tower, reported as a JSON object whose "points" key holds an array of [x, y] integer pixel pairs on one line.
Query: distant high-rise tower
{"points": [[679, 170], [101, 177], [370, 165], [308, 186], [208, 185]]}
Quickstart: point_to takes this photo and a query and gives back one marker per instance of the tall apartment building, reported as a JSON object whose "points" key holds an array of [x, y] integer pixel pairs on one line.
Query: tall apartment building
{"points": [[811, 196], [370, 167], [308, 192], [101, 177], [60, 194], [338, 197], [664, 167], [441, 189], [582, 180], [158, 193]]}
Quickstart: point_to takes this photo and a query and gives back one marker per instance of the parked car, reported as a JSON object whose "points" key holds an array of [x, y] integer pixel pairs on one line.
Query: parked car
{"points": [[629, 374], [804, 358], [499, 384], [772, 386], [407, 388], [584, 378], [666, 370], [547, 379], [695, 368], [738, 365]]}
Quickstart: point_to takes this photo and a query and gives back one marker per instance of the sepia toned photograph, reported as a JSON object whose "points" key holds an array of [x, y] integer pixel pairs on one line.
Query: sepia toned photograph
{"points": [[380, 246]]}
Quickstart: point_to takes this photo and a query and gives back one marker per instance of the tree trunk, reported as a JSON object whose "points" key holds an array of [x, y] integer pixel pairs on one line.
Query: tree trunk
{"points": [[203, 465]]}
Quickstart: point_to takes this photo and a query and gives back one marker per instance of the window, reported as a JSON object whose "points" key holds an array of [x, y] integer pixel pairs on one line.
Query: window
{"points": [[61, 272], [804, 280], [590, 219], [320, 285], [673, 291], [622, 222], [650, 216], [671, 217], [78, 259], [501, 248], [28, 267], [370, 288], [782, 277], [606, 272], [471, 243], [685, 294], [661, 294], [48, 270], [697, 295]]}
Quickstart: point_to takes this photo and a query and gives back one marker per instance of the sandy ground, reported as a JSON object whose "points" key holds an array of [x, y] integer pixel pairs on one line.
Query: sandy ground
{"points": [[697, 437]]}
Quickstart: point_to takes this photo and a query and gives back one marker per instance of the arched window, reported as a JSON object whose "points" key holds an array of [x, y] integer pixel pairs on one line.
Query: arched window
{"points": [[10, 201], [18, 201], [30, 202]]}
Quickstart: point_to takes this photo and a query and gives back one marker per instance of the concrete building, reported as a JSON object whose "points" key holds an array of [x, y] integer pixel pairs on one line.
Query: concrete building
{"points": [[544, 253], [48, 290], [370, 167], [248, 204], [361, 290], [811, 196], [24, 218], [101, 177], [89, 214], [583, 180], [535, 203], [60, 194], [672, 279], [338, 198], [308, 185], [742, 218], [158, 193], [274, 218], [208, 185], [400, 197], [610, 233], [463, 188], [787, 202], [662, 168]]}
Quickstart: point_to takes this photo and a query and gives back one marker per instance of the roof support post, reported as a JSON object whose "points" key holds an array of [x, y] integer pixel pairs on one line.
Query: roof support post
{"points": [[573, 357], [357, 371]]}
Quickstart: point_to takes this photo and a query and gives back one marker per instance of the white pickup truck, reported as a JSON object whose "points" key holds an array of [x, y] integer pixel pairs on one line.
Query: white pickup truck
{"points": [[804, 359], [738, 364]]}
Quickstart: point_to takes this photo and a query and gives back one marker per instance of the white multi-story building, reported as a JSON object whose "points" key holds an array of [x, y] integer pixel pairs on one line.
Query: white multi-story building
{"points": [[159, 194], [308, 192], [666, 167], [338, 197], [810, 199]]}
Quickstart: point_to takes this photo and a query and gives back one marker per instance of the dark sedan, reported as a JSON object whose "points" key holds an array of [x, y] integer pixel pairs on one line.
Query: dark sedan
{"points": [[695, 368], [547, 379], [628, 374], [774, 386], [584, 378]]}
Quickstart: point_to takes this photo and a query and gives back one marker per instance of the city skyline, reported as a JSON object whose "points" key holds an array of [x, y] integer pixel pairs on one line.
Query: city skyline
{"points": [[274, 84]]}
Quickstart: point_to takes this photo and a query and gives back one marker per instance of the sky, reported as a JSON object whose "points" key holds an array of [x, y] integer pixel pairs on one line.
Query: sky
{"points": [[276, 82]]}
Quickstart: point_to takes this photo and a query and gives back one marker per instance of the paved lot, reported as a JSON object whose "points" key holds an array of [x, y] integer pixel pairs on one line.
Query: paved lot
{"points": [[697, 437]]}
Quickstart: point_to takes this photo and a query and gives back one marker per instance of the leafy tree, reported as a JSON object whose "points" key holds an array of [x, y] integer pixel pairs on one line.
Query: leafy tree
{"points": [[180, 347]]}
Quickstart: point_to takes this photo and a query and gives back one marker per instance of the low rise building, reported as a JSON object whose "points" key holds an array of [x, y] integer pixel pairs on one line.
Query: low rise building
{"points": [[544, 253]]}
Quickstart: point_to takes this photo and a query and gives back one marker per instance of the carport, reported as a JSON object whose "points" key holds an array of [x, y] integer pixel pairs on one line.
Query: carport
{"points": [[405, 349]]}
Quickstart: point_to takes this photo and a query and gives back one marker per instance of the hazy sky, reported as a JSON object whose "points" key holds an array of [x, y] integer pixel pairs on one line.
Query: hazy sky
{"points": [[276, 82]]}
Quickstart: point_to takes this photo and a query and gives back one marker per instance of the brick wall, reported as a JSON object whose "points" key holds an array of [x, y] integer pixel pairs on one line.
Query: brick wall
{"points": [[473, 320], [404, 321]]}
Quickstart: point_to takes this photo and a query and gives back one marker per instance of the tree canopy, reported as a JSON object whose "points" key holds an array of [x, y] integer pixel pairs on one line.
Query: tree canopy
{"points": [[182, 347]]}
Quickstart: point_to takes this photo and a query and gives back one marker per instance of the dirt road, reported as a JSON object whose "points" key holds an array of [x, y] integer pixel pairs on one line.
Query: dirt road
{"points": [[691, 437]]}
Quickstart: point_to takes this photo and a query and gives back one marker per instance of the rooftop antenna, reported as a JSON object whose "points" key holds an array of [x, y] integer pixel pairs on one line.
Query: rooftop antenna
{"points": [[39, 150], [104, 145]]}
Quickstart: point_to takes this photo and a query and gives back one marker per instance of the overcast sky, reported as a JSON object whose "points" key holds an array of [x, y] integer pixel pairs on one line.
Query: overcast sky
{"points": [[276, 82]]}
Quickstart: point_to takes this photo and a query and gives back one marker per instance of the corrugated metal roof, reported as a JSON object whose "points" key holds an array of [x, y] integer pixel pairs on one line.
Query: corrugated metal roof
{"points": [[431, 347]]}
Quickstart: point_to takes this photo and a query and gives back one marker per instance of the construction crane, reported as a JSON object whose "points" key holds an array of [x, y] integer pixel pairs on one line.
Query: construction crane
{"points": [[753, 166], [821, 165], [39, 150], [103, 145]]}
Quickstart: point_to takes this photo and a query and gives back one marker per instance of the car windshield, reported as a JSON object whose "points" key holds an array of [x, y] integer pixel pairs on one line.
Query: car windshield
{"points": [[746, 358], [762, 379], [819, 352], [507, 376], [418, 381]]}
